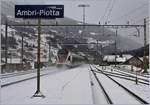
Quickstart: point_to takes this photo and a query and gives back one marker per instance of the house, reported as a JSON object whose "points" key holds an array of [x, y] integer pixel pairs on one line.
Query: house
{"points": [[13, 64], [134, 61], [147, 60], [113, 59]]}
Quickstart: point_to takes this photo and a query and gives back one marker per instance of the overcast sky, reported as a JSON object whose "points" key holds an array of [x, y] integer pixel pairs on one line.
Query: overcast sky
{"points": [[112, 11], [115, 11]]}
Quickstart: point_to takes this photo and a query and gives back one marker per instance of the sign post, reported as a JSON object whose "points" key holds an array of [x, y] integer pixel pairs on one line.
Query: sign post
{"points": [[39, 12], [38, 92]]}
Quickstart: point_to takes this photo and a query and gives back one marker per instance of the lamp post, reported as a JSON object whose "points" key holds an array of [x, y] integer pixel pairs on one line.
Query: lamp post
{"points": [[83, 6]]}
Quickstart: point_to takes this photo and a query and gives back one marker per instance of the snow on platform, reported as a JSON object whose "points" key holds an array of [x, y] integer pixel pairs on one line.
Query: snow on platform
{"points": [[68, 87]]}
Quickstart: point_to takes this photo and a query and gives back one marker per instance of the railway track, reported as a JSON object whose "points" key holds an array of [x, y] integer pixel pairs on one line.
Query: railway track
{"points": [[8, 84], [16, 74], [135, 97], [109, 101], [19, 73], [25, 79], [124, 76], [124, 70], [130, 73]]}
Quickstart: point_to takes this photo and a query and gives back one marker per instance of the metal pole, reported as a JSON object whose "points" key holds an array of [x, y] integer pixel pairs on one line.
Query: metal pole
{"points": [[97, 52], [22, 50], [116, 48], [49, 51], [103, 30], [83, 22], [144, 57], [83, 6], [11, 56], [6, 44], [38, 56], [136, 76], [83, 15], [138, 31], [102, 57], [38, 92]]}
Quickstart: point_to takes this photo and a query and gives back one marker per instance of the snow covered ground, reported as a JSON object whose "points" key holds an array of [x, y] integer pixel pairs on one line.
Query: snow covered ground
{"points": [[140, 89], [32, 74], [116, 93], [98, 96], [118, 71], [70, 86]]}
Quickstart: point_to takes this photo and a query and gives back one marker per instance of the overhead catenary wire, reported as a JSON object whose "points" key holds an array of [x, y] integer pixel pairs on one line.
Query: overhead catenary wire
{"points": [[107, 7], [142, 19], [110, 10], [138, 21], [129, 13], [135, 20]]}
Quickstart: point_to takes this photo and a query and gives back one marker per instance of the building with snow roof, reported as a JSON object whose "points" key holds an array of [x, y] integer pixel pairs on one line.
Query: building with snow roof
{"points": [[114, 59], [14, 64]]}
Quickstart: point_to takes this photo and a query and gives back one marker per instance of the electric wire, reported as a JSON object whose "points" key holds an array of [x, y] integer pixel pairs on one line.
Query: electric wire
{"points": [[110, 10], [129, 13], [107, 7]]}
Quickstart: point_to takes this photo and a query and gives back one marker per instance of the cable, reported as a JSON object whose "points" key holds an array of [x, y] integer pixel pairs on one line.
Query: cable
{"points": [[139, 20], [110, 10], [134, 33], [102, 18], [129, 13]]}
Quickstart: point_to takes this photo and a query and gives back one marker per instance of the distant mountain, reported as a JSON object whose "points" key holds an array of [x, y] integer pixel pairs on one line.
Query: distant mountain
{"points": [[58, 35], [138, 52]]}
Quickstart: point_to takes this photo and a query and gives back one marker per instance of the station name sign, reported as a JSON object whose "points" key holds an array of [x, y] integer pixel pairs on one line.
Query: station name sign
{"points": [[39, 11]]}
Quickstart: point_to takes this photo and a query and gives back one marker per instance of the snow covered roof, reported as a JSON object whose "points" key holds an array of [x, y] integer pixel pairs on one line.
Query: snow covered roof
{"points": [[121, 59], [127, 56], [111, 58], [12, 60], [147, 57], [141, 58], [93, 33], [80, 31]]}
